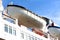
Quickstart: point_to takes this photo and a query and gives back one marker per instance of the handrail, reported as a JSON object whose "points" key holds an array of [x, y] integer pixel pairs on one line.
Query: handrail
{"points": [[9, 16]]}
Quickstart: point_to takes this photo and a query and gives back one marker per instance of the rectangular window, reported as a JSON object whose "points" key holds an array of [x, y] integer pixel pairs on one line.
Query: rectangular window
{"points": [[10, 29], [22, 35], [35, 38], [39, 39], [28, 37], [14, 31], [6, 28], [32, 38]]}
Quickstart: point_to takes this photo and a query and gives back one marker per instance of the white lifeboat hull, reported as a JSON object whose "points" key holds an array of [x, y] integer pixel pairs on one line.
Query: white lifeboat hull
{"points": [[54, 31]]}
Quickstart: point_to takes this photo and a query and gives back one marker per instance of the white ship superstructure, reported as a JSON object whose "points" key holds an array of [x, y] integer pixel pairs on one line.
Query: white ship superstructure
{"points": [[15, 24], [18, 23]]}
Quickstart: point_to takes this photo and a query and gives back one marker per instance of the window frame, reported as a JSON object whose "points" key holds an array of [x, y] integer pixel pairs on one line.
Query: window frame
{"points": [[14, 31], [22, 35], [6, 28], [10, 29]]}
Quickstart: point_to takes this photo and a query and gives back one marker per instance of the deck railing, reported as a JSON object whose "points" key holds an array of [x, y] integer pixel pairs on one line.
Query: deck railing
{"points": [[8, 18]]}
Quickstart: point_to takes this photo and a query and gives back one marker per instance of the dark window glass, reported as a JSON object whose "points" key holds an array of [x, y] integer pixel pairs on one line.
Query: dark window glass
{"points": [[32, 38], [14, 31], [22, 35], [10, 30], [28, 37], [35, 38], [6, 28]]}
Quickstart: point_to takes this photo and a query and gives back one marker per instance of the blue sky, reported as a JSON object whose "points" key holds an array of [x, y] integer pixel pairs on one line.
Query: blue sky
{"points": [[47, 8]]}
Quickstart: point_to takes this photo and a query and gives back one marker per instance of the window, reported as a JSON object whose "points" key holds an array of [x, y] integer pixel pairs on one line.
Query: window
{"points": [[10, 29], [6, 28], [38, 39], [22, 35], [28, 37], [14, 31], [32, 38], [35, 38]]}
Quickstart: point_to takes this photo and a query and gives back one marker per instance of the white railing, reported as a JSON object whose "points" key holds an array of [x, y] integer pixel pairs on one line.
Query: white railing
{"points": [[29, 35], [8, 18]]}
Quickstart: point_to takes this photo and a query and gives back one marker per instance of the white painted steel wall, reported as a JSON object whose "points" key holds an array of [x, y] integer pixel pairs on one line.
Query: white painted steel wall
{"points": [[8, 36]]}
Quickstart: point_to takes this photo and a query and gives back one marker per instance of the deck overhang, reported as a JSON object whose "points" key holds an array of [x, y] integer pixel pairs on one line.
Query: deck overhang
{"points": [[25, 17]]}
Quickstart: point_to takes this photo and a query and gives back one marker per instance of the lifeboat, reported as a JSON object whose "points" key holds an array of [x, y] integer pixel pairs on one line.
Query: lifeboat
{"points": [[26, 17], [54, 31]]}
